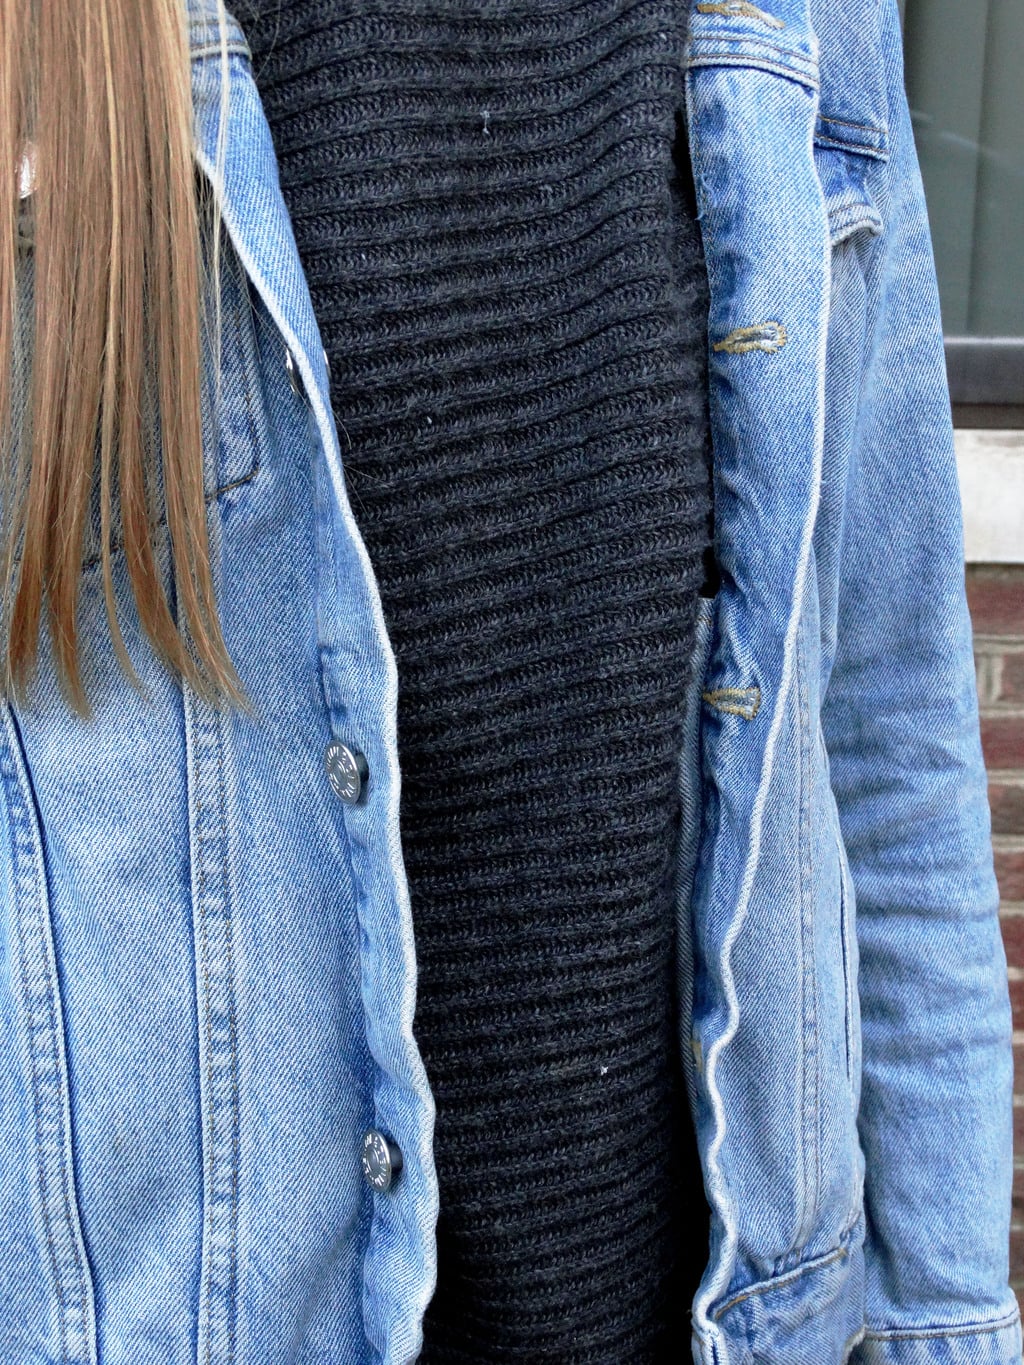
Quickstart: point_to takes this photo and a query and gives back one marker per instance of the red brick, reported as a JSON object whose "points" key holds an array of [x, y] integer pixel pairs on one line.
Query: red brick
{"points": [[1013, 939], [1002, 738], [1007, 803], [1010, 876], [996, 598], [1018, 1196], [1012, 677]]}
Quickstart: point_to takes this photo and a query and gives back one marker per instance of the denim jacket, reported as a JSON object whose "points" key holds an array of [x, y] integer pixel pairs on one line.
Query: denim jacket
{"points": [[207, 956]]}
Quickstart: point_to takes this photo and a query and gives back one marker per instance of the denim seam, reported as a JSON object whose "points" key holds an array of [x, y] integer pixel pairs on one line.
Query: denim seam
{"points": [[823, 139], [875, 144], [248, 370], [235, 48], [26, 869], [40, 1165], [246, 374], [718, 58], [846, 123], [849, 928], [205, 31], [247, 359], [845, 929], [233, 1028], [65, 1196], [759, 42], [246, 348], [157, 522], [690, 780], [940, 1333], [218, 998], [753, 51], [208, 1117], [810, 1060], [783, 1281]]}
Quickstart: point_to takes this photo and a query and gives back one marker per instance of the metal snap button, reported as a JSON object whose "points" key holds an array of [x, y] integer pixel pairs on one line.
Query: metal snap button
{"points": [[347, 771], [382, 1159]]}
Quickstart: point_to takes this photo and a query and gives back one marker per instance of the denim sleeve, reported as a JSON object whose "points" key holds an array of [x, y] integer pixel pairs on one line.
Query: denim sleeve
{"points": [[901, 723]]}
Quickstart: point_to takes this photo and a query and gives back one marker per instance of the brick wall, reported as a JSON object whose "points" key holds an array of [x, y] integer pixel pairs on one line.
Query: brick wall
{"points": [[996, 595]]}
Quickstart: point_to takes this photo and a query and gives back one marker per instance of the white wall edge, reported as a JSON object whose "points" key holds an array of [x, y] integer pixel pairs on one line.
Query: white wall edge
{"points": [[991, 469]]}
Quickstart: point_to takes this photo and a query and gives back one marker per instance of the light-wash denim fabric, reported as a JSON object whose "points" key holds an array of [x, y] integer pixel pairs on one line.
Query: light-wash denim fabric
{"points": [[847, 1028], [207, 961]]}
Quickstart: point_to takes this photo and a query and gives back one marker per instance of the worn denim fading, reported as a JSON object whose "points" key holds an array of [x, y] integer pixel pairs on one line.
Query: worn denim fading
{"points": [[206, 968], [849, 1027]]}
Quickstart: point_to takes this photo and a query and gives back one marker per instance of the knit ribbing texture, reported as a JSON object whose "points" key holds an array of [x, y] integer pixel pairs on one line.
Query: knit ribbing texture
{"points": [[491, 203]]}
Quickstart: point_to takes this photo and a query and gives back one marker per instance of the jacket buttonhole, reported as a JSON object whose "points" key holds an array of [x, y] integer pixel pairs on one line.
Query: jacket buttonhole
{"points": [[767, 336], [740, 9], [734, 701]]}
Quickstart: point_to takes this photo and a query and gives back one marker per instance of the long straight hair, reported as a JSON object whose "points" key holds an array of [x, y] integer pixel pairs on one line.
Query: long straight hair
{"points": [[95, 104]]}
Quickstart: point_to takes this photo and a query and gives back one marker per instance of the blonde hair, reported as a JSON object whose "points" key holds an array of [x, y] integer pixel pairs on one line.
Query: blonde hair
{"points": [[100, 90]]}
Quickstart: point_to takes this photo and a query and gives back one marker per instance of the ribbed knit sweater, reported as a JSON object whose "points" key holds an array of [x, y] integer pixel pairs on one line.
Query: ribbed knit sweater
{"points": [[490, 201]]}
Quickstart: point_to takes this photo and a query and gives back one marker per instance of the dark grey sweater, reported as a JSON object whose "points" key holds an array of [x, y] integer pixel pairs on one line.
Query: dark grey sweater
{"points": [[491, 203]]}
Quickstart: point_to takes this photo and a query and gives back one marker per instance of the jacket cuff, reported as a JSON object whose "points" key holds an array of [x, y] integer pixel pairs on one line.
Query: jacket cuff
{"points": [[998, 1343]]}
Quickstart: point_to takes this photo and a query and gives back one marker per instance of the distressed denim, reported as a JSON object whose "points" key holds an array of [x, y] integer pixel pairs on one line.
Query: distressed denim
{"points": [[207, 961]]}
